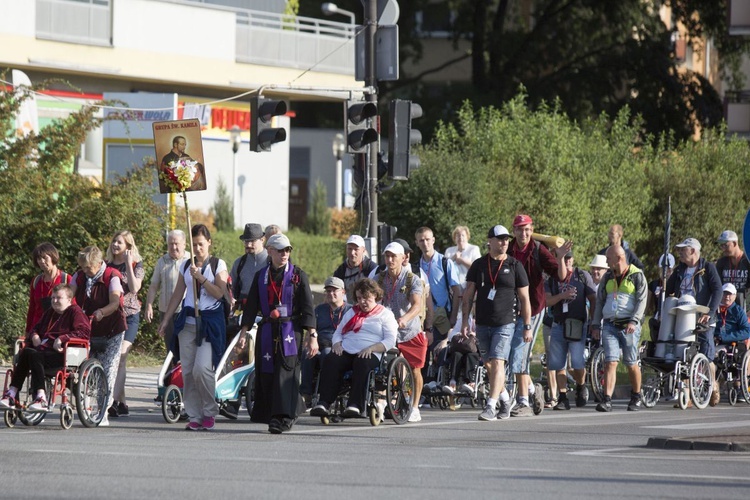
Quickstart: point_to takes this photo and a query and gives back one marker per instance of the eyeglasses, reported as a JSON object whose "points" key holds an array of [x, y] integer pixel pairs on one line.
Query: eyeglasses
{"points": [[286, 250], [724, 244]]}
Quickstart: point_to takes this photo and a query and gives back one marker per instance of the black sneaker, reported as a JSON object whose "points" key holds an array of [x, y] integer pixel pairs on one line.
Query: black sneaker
{"points": [[582, 396], [112, 410], [562, 402], [320, 410], [635, 402], [122, 410], [604, 406]]}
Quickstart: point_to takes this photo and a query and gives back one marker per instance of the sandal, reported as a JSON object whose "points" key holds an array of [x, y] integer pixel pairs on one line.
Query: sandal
{"points": [[551, 403]]}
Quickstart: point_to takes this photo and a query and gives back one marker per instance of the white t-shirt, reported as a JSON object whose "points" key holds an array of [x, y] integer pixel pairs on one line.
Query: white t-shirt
{"points": [[206, 301], [471, 253], [686, 286]]}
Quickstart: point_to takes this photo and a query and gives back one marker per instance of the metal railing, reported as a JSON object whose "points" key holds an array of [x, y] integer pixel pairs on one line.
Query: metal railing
{"points": [[261, 37], [87, 22], [294, 41]]}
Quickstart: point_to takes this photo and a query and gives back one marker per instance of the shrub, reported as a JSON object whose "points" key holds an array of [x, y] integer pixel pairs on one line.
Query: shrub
{"points": [[344, 222]]}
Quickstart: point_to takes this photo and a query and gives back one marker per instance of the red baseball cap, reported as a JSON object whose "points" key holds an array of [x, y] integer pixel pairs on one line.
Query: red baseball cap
{"points": [[522, 220]]}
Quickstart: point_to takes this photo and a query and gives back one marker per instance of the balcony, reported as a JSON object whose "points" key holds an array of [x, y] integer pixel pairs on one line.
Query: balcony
{"points": [[737, 113], [261, 37]]}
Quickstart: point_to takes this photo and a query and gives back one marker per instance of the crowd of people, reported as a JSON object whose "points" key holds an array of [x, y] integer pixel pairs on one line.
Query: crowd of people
{"points": [[451, 308]]}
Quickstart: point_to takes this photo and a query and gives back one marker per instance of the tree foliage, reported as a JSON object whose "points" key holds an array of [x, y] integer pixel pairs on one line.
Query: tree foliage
{"points": [[574, 179], [222, 210], [42, 200]]}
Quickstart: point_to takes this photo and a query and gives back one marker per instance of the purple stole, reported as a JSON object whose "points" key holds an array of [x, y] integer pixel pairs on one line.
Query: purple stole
{"points": [[288, 340]]}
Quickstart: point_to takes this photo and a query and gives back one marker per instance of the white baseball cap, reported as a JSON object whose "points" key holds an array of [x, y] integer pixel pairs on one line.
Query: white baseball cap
{"points": [[357, 240], [394, 248]]}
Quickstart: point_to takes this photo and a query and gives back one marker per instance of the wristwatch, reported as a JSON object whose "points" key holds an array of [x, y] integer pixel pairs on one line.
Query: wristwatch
{"points": [[527, 327], [314, 335]]}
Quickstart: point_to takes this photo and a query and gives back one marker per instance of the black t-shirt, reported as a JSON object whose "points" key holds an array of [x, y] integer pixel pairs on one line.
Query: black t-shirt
{"points": [[738, 276], [502, 309], [584, 285]]}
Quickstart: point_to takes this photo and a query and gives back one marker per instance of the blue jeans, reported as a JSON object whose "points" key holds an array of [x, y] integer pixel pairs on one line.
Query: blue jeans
{"points": [[132, 322], [519, 350], [614, 339], [558, 349], [494, 341]]}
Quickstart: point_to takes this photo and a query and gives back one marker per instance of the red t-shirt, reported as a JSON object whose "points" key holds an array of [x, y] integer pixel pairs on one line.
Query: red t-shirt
{"points": [[39, 298], [536, 279]]}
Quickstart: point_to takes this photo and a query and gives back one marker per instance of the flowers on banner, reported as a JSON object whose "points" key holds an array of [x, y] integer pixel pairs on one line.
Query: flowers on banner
{"points": [[179, 174]]}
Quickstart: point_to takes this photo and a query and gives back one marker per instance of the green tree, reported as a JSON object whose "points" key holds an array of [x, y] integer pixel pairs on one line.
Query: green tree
{"points": [[319, 219], [40, 200], [223, 211]]}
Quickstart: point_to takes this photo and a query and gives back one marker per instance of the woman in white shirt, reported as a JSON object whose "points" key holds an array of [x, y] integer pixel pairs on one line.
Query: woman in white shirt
{"points": [[201, 343], [365, 332]]}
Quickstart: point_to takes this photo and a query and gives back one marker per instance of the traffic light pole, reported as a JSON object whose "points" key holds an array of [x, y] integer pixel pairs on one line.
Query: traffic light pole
{"points": [[371, 28]]}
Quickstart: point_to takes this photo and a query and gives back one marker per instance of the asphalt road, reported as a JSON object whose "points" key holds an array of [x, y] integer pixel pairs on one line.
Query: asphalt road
{"points": [[450, 454]]}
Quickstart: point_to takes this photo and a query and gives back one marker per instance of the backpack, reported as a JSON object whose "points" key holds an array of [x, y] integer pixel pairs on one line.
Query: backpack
{"points": [[410, 276], [106, 278], [228, 297], [63, 279]]}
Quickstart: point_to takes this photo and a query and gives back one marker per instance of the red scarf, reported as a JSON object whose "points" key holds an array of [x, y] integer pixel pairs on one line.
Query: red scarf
{"points": [[356, 321]]}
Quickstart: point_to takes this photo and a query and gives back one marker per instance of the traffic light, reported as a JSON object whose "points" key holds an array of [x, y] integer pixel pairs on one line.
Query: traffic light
{"points": [[401, 137], [358, 133], [262, 133]]}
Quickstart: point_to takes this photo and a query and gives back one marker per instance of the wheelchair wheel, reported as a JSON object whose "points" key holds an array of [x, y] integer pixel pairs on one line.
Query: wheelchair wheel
{"points": [[372, 412], [66, 417], [650, 386], [32, 418], [745, 377], [171, 405], [250, 394], [683, 399], [597, 374], [400, 390], [91, 392], [10, 418], [732, 396], [700, 381]]}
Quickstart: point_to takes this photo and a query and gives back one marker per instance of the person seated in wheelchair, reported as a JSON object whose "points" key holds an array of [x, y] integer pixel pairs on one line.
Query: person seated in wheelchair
{"points": [[732, 329], [319, 341], [45, 347], [365, 332], [461, 359]]}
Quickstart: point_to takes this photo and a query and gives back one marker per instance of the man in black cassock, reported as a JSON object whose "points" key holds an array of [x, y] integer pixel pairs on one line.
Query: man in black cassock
{"points": [[281, 295]]}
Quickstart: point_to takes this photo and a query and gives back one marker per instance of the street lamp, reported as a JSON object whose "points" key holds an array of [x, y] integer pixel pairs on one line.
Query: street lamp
{"points": [[236, 141], [339, 148], [330, 8]]}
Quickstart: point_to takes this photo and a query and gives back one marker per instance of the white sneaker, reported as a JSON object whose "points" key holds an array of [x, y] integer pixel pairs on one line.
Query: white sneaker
{"points": [[104, 422], [415, 415]]}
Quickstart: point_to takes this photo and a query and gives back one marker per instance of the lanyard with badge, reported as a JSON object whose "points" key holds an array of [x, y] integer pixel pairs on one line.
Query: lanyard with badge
{"points": [[493, 279]]}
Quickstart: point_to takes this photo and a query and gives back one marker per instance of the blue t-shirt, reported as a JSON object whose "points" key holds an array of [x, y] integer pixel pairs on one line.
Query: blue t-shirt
{"points": [[434, 271]]}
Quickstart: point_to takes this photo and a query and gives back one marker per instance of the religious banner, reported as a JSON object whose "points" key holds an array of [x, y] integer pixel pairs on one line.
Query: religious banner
{"points": [[179, 149]]}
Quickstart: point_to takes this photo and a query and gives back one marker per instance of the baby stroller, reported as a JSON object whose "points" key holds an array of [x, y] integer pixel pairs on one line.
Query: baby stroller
{"points": [[235, 378]]}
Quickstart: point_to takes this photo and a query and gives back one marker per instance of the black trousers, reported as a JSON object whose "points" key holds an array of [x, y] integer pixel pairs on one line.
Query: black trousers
{"points": [[332, 376], [31, 360]]}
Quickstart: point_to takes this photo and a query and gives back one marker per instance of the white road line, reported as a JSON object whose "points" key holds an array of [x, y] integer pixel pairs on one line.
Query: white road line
{"points": [[157, 455], [703, 425]]}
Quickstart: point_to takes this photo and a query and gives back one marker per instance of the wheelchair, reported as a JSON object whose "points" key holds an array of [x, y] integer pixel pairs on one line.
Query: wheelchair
{"points": [[235, 379], [392, 383], [688, 374], [732, 366], [80, 385]]}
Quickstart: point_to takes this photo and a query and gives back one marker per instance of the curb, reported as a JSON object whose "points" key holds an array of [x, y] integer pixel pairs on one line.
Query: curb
{"points": [[714, 443]]}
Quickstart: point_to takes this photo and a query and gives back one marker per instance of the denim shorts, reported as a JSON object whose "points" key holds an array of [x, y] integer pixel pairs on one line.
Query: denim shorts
{"points": [[558, 349], [494, 341], [520, 350], [132, 322], [614, 339]]}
